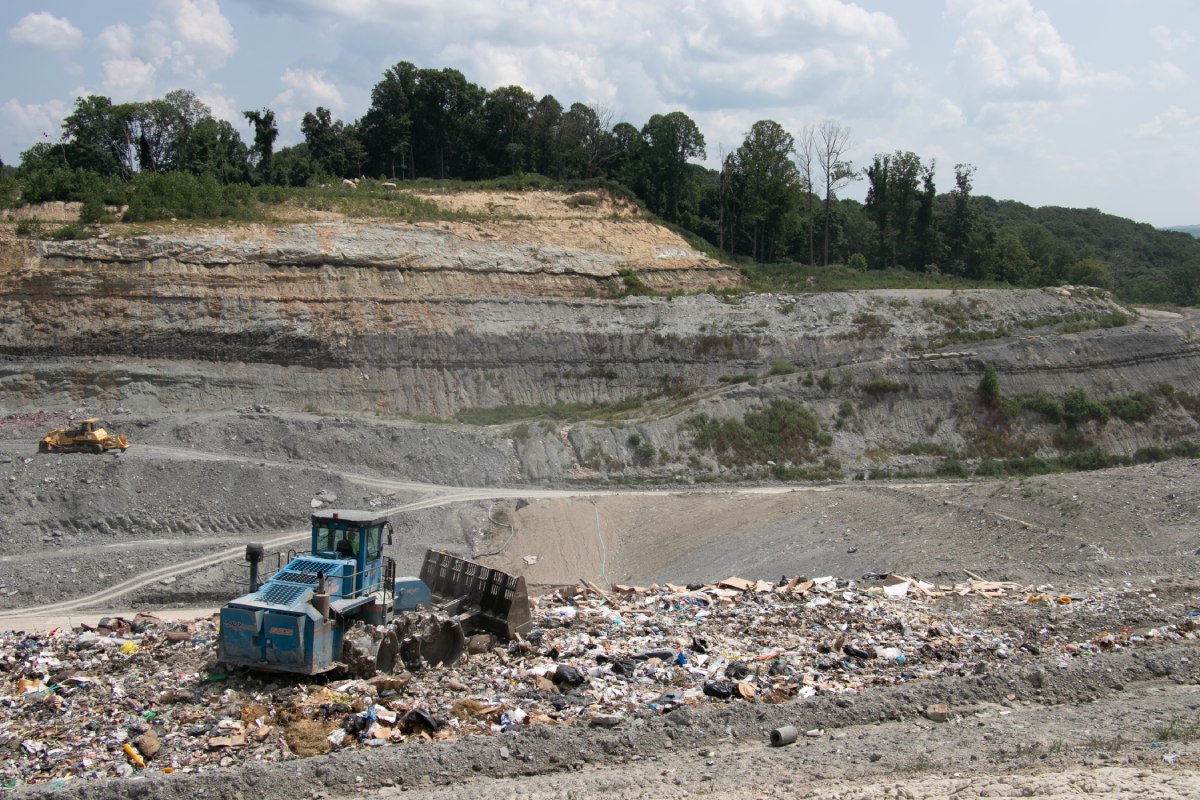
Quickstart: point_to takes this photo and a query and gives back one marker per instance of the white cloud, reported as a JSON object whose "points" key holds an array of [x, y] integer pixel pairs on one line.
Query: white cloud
{"points": [[697, 54], [303, 91], [221, 106], [186, 38], [1166, 76], [116, 40], [572, 74], [43, 29], [309, 88], [28, 122], [1008, 48], [1014, 71], [129, 78], [201, 31], [1170, 40], [1173, 120], [947, 115]]}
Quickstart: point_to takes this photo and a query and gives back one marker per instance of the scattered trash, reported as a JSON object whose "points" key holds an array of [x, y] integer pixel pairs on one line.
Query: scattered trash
{"points": [[784, 735], [133, 755], [939, 712], [72, 706]]}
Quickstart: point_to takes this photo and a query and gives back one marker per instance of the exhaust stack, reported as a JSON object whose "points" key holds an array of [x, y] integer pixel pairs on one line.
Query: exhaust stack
{"points": [[254, 554]]}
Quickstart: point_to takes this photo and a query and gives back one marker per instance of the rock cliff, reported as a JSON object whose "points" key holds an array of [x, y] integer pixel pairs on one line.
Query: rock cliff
{"points": [[431, 319]]}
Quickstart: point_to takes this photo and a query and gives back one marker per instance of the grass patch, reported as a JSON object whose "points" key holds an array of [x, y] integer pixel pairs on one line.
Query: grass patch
{"points": [[952, 314], [869, 326], [784, 432], [1178, 730], [71, 231], [633, 285], [30, 228]]}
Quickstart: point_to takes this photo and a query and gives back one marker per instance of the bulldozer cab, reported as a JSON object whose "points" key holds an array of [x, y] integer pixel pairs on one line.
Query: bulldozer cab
{"points": [[356, 536]]}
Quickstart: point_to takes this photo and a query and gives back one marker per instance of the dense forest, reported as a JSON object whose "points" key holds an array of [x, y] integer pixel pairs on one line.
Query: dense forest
{"points": [[774, 200]]}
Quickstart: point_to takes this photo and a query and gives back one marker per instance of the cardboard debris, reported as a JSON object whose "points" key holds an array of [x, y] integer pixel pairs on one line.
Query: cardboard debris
{"points": [[737, 584]]}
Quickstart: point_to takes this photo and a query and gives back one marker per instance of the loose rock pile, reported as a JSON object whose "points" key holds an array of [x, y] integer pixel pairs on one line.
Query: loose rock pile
{"points": [[144, 695]]}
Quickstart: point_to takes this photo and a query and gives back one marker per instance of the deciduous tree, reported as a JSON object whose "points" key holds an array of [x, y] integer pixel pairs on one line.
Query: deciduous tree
{"points": [[671, 141], [265, 134], [765, 185]]}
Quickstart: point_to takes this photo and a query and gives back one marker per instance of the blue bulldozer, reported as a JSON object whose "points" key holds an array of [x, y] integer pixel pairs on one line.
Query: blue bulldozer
{"points": [[340, 605]]}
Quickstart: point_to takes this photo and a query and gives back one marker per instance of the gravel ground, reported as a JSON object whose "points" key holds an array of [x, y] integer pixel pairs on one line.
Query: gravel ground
{"points": [[1109, 720]]}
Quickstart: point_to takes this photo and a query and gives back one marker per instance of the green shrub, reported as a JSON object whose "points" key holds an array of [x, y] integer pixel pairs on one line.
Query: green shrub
{"points": [[1077, 408], [783, 432], [1092, 459], [1138, 407], [633, 284], [881, 386], [989, 387], [72, 230], [829, 469], [1050, 410], [781, 367], [1185, 449], [870, 325], [857, 262], [643, 452], [181, 195], [30, 228], [952, 468], [923, 449], [1070, 440]]}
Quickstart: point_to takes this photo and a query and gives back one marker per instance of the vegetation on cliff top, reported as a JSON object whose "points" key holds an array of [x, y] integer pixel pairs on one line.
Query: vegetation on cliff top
{"points": [[774, 200]]}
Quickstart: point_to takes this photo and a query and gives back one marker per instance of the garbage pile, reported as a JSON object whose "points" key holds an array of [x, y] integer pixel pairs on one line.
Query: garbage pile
{"points": [[143, 695]]}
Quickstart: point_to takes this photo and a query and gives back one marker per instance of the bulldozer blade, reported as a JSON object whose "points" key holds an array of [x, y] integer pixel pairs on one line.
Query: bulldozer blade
{"points": [[484, 598]]}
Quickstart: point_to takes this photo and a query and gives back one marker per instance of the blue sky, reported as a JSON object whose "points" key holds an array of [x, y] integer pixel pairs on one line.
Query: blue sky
{"points": [[1082, 103]]}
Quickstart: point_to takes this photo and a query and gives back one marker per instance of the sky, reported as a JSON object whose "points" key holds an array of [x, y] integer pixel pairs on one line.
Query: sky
{"points": [[1078, 103]]}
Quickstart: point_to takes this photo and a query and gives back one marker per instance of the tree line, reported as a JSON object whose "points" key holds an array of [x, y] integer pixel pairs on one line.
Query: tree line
{"points": [[775, 198]]}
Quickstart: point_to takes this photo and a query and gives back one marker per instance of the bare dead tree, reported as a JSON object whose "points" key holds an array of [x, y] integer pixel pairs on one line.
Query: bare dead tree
{"points": [[833, 139], [806, 153]]}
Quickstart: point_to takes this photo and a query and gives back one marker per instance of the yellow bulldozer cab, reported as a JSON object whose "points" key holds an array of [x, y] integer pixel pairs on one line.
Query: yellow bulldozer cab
{"points": [[85, 436]]}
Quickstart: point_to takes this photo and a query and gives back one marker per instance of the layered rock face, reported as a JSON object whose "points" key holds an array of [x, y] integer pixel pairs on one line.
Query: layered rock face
{"points": [[434, 318], [312, 311], [421, 320]]}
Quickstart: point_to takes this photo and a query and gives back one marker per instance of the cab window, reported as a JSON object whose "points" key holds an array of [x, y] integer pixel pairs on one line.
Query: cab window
{"points": [[374, 542], [326, 538]]}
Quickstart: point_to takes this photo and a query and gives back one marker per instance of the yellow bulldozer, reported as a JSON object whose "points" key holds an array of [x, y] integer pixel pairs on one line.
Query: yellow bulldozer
{"points": [[85, 437]]}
